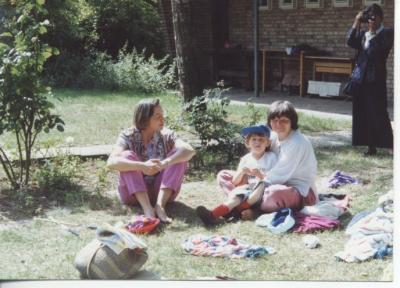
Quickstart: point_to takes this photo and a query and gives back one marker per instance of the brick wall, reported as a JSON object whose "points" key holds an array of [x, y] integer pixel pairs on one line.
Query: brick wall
{"points": [[324, 28]]}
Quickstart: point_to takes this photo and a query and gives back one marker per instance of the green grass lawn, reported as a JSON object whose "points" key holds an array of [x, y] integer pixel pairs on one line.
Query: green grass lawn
{"points": [[96, 117], [34, 249]]}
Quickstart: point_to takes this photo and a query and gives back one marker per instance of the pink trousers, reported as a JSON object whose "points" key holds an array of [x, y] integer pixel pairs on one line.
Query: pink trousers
{"points": [[275, 196], [131, 182]]}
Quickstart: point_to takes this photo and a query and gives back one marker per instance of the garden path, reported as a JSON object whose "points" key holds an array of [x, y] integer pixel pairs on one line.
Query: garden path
{"points": [[327, 107]]}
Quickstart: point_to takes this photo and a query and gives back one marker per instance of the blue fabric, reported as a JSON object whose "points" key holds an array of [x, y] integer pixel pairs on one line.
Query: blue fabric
{"points": [[339, 179], [257, 129], [255, 251], [358, 217], [280, 216], [383, 252]]}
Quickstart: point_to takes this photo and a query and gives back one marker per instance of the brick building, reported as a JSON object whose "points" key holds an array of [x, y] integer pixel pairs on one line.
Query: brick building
{"points": [[282, 23]]}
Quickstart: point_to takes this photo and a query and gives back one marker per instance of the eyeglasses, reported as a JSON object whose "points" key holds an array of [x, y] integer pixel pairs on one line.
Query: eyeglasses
{"points": [[372, 18], [281, 121], [158, 116]]}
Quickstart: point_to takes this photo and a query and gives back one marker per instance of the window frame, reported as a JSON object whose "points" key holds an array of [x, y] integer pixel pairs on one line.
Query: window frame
{"points": [[340, 4], [312, 5], [265, 7], [370, 2], [286, 6]]}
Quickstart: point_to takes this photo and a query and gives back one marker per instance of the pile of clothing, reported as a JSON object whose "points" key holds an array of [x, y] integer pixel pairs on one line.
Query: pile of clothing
{"points": [[223, 246], [370, 232], [321, 216]]}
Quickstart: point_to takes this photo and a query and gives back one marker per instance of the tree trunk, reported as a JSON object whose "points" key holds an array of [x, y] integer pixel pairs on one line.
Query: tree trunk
{"points": [[188, 69]]}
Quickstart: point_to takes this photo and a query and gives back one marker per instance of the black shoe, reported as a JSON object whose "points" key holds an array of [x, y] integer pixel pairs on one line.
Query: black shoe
{"points": [[206, 216], [370, 152], [232, 216]]}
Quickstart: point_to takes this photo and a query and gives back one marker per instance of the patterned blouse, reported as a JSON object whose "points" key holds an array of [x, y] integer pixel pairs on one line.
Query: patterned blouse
{"points": [[158, 147]]}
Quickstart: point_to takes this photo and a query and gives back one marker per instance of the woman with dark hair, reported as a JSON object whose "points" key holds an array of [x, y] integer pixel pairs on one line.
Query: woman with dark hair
{"points": [[291, 182], [371, 122], [151, 160]]}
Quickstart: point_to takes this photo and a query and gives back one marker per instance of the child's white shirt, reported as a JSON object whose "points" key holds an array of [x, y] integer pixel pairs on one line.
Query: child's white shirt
{"points": [[264, 164]]}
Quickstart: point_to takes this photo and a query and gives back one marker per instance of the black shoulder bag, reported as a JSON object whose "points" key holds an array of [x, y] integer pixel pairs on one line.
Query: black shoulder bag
{"points": [[351, 88]]}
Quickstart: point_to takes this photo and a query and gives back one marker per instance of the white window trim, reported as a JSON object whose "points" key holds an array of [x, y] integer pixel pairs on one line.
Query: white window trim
{"points": [[312, 5], [286, 6], [369, 2], [342, 4], [265, 7]]}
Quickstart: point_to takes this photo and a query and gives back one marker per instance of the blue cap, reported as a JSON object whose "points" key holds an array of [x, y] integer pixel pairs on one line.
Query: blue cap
{"points": [[257, 129], [282, 221]]}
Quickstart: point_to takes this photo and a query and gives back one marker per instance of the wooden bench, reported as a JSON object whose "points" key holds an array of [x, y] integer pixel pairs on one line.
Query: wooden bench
{"points": [[332, 67]]}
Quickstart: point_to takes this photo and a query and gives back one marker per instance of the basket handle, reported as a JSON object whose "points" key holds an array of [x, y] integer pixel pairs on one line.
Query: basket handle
{"points": [[101, 245]]}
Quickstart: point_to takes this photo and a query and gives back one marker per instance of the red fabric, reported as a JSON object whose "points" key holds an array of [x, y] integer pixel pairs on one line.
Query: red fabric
{"points": [[307, 223], [220, 211], [243, 206], [142, 224]]}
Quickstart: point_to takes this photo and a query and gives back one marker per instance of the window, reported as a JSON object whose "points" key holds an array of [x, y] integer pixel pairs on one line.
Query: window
{"points": [[286, 4], [370, 2], [264, 4], [312, 3], [341, 3]]}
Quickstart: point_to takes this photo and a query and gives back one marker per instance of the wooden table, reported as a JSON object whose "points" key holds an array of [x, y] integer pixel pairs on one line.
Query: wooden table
{"points": [[334, 65], [268, 54], [321, 64]]}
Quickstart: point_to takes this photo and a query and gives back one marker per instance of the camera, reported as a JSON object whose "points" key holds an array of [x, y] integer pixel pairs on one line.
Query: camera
{"points": [[365, 16]]}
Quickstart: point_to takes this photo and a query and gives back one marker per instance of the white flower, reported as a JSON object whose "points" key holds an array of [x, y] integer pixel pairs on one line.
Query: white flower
{"points": [[69, 140], [46, 22], [212, 142]]}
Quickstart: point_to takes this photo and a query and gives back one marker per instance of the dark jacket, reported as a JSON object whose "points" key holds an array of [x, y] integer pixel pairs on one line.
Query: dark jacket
{"points": [[371, 62]]}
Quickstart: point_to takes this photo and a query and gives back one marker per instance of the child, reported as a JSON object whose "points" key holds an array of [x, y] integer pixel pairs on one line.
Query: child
{"points": [[247, 185]]}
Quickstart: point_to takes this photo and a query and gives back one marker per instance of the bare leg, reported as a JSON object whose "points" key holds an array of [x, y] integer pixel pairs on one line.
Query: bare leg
{"points": [[162, 200], [256, 194], [232, 202], [144, 201]]}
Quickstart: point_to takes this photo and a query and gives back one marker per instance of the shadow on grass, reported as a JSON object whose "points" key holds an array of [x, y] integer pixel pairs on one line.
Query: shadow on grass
{"points": [[179, 210], [28, 203]]}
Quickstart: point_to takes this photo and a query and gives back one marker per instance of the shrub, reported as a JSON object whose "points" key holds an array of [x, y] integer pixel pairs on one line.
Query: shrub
{"points": [[207, 114], [150, 74], [131, 71], [24, 107], [57, 176], [98, 73], [253, 115]]}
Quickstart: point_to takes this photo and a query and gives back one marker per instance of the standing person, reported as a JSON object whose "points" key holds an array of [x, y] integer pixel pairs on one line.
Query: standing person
{"points": [[291, 181], [241, 186], [151, 161], [371, 122]]}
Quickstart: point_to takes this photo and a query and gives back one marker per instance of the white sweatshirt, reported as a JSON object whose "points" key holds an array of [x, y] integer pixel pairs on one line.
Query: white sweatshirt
{"points": [[296, 166]]}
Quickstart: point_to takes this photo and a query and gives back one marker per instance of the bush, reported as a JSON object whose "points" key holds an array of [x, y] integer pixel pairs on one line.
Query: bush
{"points": [[219, 138], [131, 71], [57, 179], [253, 115], [25, 110]]}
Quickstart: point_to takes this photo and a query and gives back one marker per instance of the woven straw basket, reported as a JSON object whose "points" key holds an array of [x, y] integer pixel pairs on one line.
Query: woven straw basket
{"points": [[97, 261]]}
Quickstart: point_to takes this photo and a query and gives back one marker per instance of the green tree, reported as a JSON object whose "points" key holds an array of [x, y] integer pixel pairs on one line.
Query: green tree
{"points": [[134, 23], [24, 107]]}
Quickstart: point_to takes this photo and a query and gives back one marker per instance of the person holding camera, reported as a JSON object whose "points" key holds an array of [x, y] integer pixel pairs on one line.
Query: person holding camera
{"points": [[371, 122]]}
